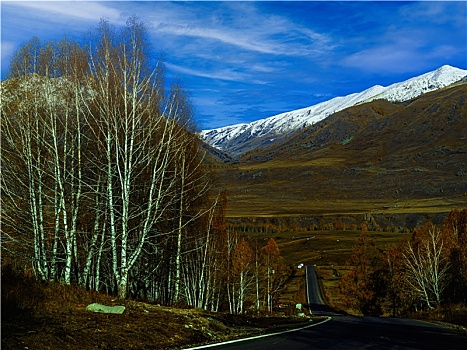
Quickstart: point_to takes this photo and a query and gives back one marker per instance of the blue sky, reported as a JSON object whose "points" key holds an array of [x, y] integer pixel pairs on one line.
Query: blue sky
{"points": [[243, 61]]}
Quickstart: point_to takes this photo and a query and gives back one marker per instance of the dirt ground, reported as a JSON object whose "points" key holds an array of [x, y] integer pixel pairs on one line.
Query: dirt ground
{"points": [[141, 326]]}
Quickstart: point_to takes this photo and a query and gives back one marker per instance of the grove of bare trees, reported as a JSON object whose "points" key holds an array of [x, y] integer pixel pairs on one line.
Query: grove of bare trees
{"points": [[102, 172], [104, 184]]}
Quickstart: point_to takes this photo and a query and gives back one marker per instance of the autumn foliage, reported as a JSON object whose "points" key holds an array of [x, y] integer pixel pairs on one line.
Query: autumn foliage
{"points": [[358, 287], [426, 272]]}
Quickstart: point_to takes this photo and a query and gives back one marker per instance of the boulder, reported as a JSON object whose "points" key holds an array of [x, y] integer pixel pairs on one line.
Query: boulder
{"points": [[95, 307]]}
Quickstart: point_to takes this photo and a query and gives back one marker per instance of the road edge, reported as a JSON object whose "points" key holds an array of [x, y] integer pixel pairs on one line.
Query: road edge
{"points": [[329, 318]]}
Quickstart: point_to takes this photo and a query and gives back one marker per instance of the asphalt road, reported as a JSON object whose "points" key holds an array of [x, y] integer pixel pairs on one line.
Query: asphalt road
{"points": [[349, 332]]}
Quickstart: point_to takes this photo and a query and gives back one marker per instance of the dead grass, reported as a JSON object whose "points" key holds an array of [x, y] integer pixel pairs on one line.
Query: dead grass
{"points": [[318, 162], [330, 277], [40, 316], [251, 205], [372, 173], [324, 248], [294, 292]]}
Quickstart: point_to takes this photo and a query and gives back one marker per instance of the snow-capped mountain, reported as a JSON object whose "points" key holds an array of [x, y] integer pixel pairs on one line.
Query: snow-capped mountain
{"points": [[240, 138]]}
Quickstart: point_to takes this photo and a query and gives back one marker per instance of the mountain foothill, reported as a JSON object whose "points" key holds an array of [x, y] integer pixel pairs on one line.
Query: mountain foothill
{"points": [[393, 157]]}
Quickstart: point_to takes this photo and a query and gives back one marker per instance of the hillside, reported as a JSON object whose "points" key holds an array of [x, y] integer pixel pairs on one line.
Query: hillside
{"points": [[378, 156], [40, 315], [241, 138]]}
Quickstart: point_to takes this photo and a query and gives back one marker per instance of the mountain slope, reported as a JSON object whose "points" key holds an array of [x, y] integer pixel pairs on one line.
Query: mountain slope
{"points": [[388, 156], [240, 138]]}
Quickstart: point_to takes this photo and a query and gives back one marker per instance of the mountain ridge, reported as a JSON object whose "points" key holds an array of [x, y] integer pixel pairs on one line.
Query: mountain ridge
{"points": [[240, 138], [381, 156]]}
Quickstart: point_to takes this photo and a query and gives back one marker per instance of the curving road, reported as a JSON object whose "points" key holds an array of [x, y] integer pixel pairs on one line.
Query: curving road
{"points": [[349, 332]]}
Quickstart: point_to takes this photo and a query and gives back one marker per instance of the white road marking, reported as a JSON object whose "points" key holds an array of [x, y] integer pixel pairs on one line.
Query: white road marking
{"points": [[259, 336]]}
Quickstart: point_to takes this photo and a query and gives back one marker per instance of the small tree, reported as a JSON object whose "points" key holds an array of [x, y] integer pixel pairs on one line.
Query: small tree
{"points": [[426, 265], [358, 288], [455, 235], [242, 272], [395, 292], [276, 272]]}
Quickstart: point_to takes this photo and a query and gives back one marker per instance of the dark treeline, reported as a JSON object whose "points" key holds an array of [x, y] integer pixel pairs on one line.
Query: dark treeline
{"points": [[291, 224]]}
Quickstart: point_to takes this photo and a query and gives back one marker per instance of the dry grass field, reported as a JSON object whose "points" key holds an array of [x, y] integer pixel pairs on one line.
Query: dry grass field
{"points": [[378, 157], [301, 188]]}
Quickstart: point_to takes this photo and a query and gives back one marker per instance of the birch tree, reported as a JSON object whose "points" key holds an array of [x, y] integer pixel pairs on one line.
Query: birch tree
{"points": [[426, 266], [276, 272], [203, 260], [125, 100], [26, 59], [22, 171], [142, 133], [41, 123], [358, 287], [455, 235], [242, 273], [104, 179]]}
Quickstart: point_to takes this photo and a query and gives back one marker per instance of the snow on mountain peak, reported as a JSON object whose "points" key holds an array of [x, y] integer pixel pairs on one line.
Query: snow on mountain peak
{"points": [[424, 83], [231, 138]]}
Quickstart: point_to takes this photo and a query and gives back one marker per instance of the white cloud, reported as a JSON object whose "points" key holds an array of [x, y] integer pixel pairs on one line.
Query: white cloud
{"points": [[242, 27], [237, 38], [8, 48], [221, 74], [84, 10], [388, 59], [403, 50], [435, 12], [262, 68]]}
